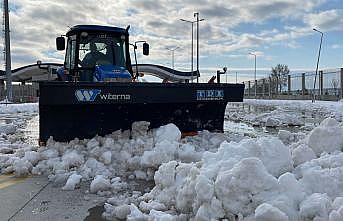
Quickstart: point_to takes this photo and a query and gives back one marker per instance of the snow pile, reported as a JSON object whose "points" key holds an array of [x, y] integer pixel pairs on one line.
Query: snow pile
{"points": [[253, 179], [131, 155], [329, 132], [18, 108]]}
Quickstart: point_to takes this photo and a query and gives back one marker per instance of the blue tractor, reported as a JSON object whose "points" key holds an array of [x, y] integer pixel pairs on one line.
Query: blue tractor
{"points": [[97, 91]]}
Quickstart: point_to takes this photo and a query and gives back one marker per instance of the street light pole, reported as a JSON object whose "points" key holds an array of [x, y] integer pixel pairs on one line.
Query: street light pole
{"points": [[172, 51], [192, 53], [255, 75], [8, 53], [192, 22], [196, 14], [315, 77]]}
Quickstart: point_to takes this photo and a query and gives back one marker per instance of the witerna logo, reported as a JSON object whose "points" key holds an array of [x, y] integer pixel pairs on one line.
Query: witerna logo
{"points": [[87, 95], [84, 95]]}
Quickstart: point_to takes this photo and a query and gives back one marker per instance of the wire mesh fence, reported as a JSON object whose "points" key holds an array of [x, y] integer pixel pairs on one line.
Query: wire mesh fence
{"points": [[21, 93], [326, 84]]}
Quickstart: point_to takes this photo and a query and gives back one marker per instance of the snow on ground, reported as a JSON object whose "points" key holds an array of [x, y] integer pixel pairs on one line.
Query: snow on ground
{"points": [[157, 175], [18, 108], [329, 108]]}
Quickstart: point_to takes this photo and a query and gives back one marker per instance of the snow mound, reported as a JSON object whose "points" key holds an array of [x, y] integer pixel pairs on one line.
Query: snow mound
{"points": [[327, 137]]}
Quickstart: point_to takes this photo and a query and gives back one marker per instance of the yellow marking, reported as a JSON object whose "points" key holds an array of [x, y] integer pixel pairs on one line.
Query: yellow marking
{"points": [[9, 180]]}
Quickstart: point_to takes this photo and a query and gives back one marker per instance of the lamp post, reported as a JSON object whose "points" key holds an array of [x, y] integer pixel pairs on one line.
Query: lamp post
{"points": [[196, 14], [192, 23], [254, 74], [172, 50], [8, 53], [192, 53], [315, 77]]}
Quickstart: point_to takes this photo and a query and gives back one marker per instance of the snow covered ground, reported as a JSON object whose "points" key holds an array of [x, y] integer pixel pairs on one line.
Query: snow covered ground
{"points": [[157, 175]]}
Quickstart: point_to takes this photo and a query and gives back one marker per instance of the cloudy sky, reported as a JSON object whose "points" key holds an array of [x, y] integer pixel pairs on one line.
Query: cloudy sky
{"points": [[278, 31]]}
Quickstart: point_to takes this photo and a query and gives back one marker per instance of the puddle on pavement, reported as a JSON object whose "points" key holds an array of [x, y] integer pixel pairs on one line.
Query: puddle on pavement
{"points": [[95, 214]]}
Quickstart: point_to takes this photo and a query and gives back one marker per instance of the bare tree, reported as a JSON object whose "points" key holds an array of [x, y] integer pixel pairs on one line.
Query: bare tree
{"points": [[279, 74], [334, 84]]}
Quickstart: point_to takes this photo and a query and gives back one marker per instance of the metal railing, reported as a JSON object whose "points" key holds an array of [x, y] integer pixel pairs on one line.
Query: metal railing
{"points": [[329, 86]]}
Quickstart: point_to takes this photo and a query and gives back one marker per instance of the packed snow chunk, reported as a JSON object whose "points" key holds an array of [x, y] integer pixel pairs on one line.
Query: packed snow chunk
{"points": [[116, 212], [302, 154], [141, 175], [188, 154], [337, 203], [285, 136], [139, 129], [100, 183], [336, 216], [165, 176], [168, 132], [49, 153], [292, 188], [8, 129], [323, 175], [267, 212], [245, 187], [136, 214], [152, 205], [337, 212], [272, 122], [275, 156], [161, 216], [315, 207], [92, 144], [72, 181], [72, 159], [327, 137], [106, 157], [163, 152], [22, 167], [204, 189], [32, 156]]}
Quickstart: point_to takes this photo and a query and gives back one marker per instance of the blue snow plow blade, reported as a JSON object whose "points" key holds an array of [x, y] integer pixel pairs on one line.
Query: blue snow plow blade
{"points": [[103, 72]]}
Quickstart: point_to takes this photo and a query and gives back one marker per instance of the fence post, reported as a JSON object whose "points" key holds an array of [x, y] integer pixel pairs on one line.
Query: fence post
{"points": [[289, 84], [249, 88], [321, 83], [341, 83], [303, 87], [255, 92], [270, 86], [263, 86]]}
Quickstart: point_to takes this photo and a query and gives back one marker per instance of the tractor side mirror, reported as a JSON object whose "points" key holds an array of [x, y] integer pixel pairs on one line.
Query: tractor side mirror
{"points": [[146, 48], [60, 43]]}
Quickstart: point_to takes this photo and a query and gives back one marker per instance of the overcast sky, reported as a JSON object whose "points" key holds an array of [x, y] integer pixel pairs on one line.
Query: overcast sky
{"points": [[278, 31]]}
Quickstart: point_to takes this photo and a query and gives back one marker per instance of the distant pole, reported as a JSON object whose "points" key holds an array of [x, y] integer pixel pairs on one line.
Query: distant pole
{"points": [[192, 53], [196, 14], [236, 77], [255, 75], [172, 51], [315, 77], [8, 52]]}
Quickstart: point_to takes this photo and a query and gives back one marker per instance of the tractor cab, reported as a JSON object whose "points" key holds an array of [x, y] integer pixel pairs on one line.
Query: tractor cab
{"points": [[95, 54]]}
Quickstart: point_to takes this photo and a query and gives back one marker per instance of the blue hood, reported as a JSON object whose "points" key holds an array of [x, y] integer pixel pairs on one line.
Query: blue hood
{"points": [[103, 72]]}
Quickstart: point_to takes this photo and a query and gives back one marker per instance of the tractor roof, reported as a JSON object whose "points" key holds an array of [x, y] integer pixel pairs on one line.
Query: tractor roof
{"points": [[95, 28]]}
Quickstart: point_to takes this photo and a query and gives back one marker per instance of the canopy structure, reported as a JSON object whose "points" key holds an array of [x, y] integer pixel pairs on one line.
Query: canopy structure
{"points": [[34, 72], [46, 71]]}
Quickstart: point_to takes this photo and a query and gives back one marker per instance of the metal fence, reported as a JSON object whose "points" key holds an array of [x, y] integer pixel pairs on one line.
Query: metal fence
{"points": [[21, 93], [329, 86]]}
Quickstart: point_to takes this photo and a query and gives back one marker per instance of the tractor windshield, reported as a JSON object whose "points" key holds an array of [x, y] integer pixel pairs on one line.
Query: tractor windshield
{"points": [[101, 49]]}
